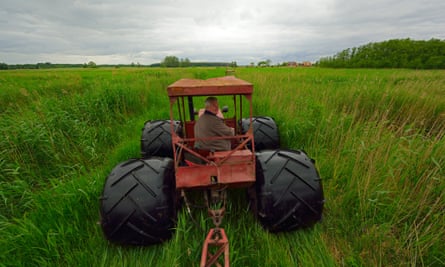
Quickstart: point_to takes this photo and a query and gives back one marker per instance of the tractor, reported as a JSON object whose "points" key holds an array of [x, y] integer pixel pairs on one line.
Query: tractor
{"points": [[141, 197]]}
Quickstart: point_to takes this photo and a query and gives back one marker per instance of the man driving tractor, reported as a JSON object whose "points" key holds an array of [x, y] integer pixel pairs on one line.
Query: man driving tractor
{"points": [[210, 124]]}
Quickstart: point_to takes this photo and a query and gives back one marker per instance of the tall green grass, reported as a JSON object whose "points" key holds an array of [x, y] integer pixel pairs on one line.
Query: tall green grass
{"points": [[376, 135], [378, 140]]}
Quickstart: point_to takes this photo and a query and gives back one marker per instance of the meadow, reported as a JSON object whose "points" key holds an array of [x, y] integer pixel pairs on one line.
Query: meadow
{"points": [[377, 136]]}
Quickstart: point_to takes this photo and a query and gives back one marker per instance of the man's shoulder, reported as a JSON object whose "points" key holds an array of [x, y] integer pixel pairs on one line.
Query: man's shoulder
{"points": [[209, 117], [204, 119]]}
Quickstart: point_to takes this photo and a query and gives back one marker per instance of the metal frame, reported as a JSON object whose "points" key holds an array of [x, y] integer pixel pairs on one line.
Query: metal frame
{"points": [[234, 168]]}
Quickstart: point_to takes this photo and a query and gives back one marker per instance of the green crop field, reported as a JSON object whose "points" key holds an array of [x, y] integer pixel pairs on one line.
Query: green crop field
{"points": [[377, 137]]}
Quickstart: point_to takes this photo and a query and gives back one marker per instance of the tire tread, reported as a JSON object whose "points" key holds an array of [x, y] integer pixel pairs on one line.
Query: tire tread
{"points": [[137, 203], [289, 193]]}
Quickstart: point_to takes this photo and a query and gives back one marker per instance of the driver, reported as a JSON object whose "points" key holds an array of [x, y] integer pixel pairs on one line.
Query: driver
{"points": [[211, 125]]}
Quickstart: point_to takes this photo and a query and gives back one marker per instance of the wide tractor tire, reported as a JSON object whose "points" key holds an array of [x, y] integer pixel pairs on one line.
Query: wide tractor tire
{"points": [[137, 206], [265, 132], [156, 138], [288, 193]]}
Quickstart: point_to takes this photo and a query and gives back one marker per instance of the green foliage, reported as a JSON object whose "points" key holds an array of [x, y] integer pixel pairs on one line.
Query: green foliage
{"points": [[377, 137], [173, 62], [264, 63], [46, 65], [90, 64], [398, 53], [170, 62], [184, 62]]}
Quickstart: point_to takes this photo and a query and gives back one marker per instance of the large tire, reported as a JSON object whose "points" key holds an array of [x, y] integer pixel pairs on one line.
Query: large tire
{"points": [[156, 138], [137, 206], [265, 132], [288, 193]]}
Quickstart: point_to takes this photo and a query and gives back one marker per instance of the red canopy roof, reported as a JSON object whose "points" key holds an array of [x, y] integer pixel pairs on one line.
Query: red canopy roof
{"points": [[228, 85]]}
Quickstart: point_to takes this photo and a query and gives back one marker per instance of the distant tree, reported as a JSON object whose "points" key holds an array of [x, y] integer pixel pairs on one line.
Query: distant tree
{"points": [[3, 66], [265, 63], [170, 62], [233, 64], [185, 62], [91, 64]]}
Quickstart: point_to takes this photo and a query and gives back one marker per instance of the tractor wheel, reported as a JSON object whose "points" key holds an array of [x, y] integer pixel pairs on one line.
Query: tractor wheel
{"points": [[265, 132], [138, 204], [288, 193], [156, 138]]}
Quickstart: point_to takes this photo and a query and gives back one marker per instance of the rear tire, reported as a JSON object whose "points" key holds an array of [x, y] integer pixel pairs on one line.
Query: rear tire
{"points": [[288, 193], [156, 138], [265, 132], [138, 202]]}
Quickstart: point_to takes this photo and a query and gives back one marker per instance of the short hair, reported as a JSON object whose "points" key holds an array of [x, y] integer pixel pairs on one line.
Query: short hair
{"points": [[211, 100]]}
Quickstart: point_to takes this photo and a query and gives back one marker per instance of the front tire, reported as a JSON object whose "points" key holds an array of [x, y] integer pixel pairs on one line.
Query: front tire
{"points": [[288, 190], [138, 202]]}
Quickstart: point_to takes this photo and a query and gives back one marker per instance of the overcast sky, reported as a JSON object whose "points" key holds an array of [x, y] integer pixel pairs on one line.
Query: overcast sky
{"points": [[145, 31]]}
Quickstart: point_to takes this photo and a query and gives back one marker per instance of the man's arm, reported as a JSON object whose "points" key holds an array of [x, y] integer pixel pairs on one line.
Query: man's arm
{"points": [[221, 129]]}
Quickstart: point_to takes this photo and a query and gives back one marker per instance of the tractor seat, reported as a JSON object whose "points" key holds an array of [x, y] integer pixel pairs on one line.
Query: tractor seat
{"points": [[193, 160]]}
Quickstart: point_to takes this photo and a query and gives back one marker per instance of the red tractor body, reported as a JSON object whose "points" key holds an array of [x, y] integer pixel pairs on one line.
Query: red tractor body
{"points": [[232, 168]]}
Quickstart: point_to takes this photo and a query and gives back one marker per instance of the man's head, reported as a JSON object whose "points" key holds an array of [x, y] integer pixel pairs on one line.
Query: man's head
{"points": [[211, 104]]}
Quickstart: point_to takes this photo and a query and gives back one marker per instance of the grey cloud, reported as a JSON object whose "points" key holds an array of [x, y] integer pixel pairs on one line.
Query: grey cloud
{"points": [[146, 31]]}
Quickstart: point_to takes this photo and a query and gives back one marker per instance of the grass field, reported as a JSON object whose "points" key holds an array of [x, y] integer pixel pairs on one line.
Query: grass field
{"points": [[377, 137]]}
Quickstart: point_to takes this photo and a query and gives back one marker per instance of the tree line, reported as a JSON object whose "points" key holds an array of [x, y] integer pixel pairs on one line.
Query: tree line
{"points": [[168, 62], [46, 65], [174, 62], [396, 53]]}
